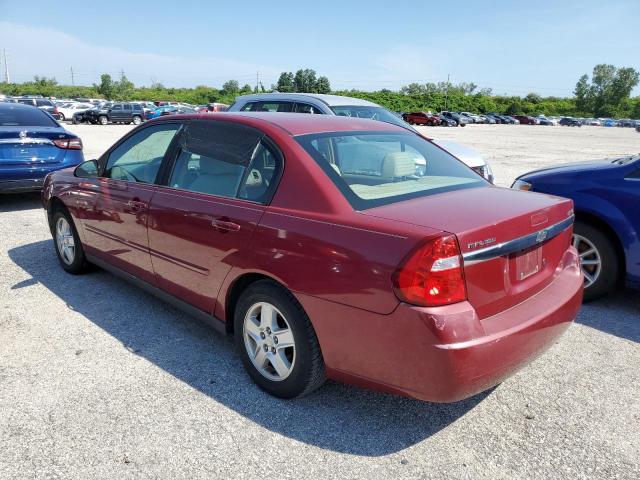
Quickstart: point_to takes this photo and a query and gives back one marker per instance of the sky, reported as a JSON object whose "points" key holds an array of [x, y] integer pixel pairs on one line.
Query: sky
{"points": [[514, 47]]}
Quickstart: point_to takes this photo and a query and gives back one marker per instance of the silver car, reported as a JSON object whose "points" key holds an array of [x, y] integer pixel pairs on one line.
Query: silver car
{"points": [[321, 104]]}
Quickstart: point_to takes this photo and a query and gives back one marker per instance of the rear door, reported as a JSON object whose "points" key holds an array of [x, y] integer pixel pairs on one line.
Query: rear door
{"points": [[215, 194], [114, 208], [116, 113]]}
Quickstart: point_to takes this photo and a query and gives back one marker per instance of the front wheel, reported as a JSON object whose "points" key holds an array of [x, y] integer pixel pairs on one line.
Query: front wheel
{"points": [[68, 247], [277, 342], [598, 259]]}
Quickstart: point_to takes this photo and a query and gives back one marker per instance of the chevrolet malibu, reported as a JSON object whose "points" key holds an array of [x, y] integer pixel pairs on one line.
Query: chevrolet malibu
{"points": [[313, 242]]}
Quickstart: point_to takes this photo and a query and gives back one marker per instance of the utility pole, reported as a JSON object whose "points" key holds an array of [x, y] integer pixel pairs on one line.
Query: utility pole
{"points": [[121, 74], [446, 94], [73, 82], [257, 80], [6, 66]]}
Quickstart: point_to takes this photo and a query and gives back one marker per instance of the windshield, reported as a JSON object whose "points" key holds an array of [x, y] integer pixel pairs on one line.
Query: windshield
{"points": [[374, 113], [374, 168]]}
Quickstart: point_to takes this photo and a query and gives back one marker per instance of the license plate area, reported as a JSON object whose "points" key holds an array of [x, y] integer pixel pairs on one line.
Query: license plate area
{"points": [[528, 263]]}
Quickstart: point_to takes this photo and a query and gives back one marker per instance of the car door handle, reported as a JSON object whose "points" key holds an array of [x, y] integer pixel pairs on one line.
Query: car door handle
{"points": [[225, 225], [136, 205]]}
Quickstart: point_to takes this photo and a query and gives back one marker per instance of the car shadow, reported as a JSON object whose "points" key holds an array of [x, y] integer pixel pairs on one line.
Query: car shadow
{"points": [[16, 202], [337, 417], [617, 314]]}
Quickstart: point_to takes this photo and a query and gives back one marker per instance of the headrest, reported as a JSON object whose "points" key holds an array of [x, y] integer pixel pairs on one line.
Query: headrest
{"points": [[398, 165]]}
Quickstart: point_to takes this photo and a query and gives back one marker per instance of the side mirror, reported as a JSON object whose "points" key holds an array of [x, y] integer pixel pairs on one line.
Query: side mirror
{"points": [[88, 169]]}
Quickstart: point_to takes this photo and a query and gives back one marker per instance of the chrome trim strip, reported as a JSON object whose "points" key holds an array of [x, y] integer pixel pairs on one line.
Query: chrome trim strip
{"points": [[517, 244]]}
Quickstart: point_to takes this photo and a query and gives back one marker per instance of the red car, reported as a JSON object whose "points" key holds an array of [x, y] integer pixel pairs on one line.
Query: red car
{"points": [[421, 118], [313, 241], [526, 120]]}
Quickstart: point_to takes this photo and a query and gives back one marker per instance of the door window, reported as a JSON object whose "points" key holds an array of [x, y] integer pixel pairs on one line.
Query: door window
{"points": [[117, 107], [127, 107], [225, 160], [306, 108], [274, 107], [139, 157]]}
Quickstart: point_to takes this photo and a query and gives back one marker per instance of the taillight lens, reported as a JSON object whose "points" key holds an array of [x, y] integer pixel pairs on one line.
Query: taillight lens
{"points": [[432, 276], [68, 143]]}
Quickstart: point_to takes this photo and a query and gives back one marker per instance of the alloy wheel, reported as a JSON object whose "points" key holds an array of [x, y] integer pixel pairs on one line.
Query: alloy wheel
{"points": [[590, 259], [65, 241], [269, 341]]}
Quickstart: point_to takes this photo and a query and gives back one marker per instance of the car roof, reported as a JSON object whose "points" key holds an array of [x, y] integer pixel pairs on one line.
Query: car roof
{"points": [[299, 123], [329, 100], [16, 105]]}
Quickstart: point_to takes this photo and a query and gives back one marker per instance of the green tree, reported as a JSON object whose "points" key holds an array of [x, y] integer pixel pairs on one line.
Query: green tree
{"points": [[123, 89], [231, 87], [246, 89], [106, 86], [323, 85], [583, 94], [305, 81], [285, 83]]}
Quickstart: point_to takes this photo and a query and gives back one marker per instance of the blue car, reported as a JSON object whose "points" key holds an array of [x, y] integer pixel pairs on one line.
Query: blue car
{"points": [[606, 196], [32, 144]]}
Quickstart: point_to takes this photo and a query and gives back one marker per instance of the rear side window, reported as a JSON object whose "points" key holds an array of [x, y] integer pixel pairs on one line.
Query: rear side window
{"points": [[225, 160], [44, 103], [127, 106], [26, 101], [306, 108], [117, 106], [13, 116], [379, 168]]}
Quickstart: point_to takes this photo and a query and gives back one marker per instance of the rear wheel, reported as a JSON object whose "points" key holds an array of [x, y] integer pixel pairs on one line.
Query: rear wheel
{"points": [[103, 120], [137, 120], [68, 247], [598, 258], [277, 342], [62, 117]]}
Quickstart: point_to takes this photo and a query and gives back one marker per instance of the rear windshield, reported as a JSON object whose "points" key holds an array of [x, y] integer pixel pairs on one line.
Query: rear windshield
{"points": [[374, 168], [374, 113], [12, 116]]}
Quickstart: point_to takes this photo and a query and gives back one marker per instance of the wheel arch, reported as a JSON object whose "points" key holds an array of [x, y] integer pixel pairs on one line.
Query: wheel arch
{"points": [[235, 289]]}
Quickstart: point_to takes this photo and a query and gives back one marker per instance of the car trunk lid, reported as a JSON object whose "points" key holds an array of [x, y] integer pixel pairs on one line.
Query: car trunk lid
{"points": [[29, 146], [511, 242]]}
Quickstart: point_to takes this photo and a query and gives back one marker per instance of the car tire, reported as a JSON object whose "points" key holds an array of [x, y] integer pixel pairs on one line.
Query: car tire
{"points": [[62, 119], [75, 121], [137, 120], [288, 371], [605, 274], [67, 243], [103, 120]]}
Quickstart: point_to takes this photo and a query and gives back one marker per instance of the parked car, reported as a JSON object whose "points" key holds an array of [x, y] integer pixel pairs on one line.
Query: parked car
{"points": [[570, 122], [511, 120], [498, 118], [239, 208], [329, 105], [116, 113], [487, 119], [32, 144], [473, 117], [421, 118], [526, 120], [41, 103], [627, 122], [608, 122], [466, 155], [68, 110], [91, 115], [546, 121], [606, 196], [459, 120]]}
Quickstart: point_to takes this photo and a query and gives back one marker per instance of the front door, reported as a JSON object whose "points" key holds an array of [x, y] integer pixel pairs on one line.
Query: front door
{"points": [[222, 177], [114, 207]]}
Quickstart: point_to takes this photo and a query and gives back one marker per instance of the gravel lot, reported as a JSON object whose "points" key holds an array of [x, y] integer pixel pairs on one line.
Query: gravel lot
{"points": [[100, 380]]}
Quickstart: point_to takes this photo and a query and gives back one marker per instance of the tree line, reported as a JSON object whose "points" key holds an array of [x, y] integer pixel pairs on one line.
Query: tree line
{"points": [[607, 93]]}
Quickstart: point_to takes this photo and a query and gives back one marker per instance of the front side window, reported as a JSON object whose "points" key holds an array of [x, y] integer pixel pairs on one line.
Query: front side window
{"points": [[225, 160], [117, 107], [139, 157], [379, 168]]}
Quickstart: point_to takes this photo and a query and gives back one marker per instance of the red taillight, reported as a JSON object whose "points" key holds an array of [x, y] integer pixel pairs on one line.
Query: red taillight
{"points": [[432, 276], [55, 110], [68, 143]]}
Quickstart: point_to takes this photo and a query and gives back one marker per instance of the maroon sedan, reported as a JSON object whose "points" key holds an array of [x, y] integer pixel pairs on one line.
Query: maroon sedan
{"points": [[314, 242], [421, 118]]}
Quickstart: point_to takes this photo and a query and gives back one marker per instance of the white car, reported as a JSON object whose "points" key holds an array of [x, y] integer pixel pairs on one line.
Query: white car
{"points": [[463, 153], [68, 109]]}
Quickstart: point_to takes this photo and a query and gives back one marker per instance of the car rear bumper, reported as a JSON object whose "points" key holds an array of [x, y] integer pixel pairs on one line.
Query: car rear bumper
{"points": [[443, 354], [15, 186]]}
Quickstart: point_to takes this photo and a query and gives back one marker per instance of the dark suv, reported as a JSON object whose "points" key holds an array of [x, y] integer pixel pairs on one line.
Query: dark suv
{"points": [[116, 113]]}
